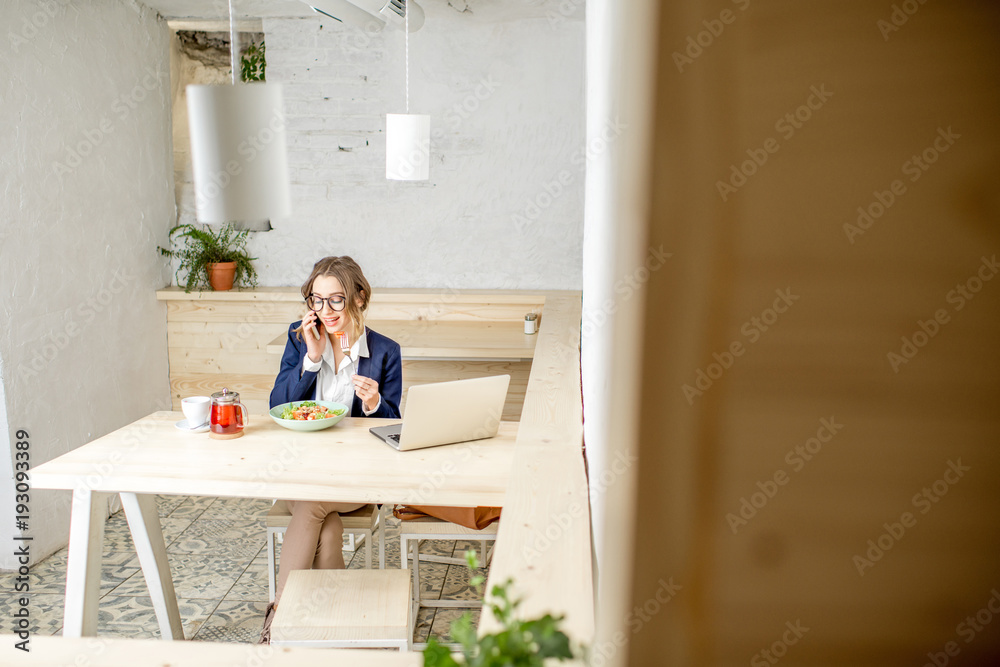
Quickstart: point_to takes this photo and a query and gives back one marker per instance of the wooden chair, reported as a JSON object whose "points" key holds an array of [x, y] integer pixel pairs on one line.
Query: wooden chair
{"points": [[430, 528], [345, 609], [361, 524]]}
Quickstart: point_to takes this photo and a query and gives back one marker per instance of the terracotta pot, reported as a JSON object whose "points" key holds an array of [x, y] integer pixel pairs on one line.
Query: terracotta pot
{"points": [[220, 275]]}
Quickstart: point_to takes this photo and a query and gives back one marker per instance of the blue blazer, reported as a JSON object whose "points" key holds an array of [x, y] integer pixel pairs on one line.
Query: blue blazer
{"points": [[383, 364]]}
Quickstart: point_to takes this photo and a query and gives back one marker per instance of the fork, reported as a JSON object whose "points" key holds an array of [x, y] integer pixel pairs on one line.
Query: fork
{"points": [[345, 345]]}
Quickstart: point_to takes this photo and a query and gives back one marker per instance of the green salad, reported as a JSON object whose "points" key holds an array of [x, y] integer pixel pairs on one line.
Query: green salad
{"points": [[309, 410]]}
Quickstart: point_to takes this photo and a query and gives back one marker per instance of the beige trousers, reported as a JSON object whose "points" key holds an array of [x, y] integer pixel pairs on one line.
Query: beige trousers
{"points": [[314, 539]]}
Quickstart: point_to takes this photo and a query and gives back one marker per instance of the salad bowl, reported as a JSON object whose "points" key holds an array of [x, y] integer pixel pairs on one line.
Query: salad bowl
{"points": [[282, 415]]}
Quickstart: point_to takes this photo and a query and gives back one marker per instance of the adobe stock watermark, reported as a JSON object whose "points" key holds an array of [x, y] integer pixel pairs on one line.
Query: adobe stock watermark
{"points": [[624, 288], [958, 297], [915, 167], [132, 435], [636, 620], [287, 458], [32, 25], [925, 500], [564, 10], [249, 326], [122, 108], [436, 479], [362, 38], [752, 329], [455, 116], [277, 464], [51, 344], [779, 648], [797, 458], [968, 629], [249, 149], [787, 125], [462, 110], [556, 186], [695, 45], [436, 309], [542, 539], [900, 14]]}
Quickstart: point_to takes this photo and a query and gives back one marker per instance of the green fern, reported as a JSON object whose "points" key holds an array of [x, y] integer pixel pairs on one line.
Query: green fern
{"points": [[196, 248]]}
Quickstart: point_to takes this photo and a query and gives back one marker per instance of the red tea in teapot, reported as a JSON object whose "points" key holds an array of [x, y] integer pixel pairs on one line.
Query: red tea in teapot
{"points": [[228, 416], [226, 419]]}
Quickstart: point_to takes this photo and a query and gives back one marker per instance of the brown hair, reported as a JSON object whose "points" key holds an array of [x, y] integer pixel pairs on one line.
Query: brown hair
{"points": [[356, 289]]}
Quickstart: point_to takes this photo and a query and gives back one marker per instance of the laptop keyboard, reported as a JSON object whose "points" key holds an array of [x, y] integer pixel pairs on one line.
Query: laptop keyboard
{"points": [[394, 437]]}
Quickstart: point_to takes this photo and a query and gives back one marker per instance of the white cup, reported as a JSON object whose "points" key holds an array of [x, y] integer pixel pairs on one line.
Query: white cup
{"points": [[196, 409]]}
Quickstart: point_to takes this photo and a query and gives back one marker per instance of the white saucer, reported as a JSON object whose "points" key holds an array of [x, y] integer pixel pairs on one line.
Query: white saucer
{"points": [[183, 425]]}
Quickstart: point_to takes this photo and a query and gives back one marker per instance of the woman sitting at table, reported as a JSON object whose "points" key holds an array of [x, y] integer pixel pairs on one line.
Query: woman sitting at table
{"points": [[314, 367]]}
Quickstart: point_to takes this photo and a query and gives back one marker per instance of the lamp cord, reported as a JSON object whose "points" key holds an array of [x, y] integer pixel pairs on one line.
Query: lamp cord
{"points": [[406, 29], [233, 50]]}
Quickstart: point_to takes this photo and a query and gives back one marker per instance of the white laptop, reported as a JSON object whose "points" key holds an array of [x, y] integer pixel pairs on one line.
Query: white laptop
{"points": [[447, 412]]}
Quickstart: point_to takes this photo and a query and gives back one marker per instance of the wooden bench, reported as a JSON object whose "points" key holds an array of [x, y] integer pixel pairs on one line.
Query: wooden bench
{"points": [[345, 609], [361, 524], [114, 652]]}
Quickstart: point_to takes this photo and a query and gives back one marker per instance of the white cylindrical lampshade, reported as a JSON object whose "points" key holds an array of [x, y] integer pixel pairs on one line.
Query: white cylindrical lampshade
{"points": [[407, 147], [238, 152]]}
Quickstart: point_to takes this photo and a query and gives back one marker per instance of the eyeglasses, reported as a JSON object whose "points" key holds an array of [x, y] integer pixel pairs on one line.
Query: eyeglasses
{"points": [[315, 302]]}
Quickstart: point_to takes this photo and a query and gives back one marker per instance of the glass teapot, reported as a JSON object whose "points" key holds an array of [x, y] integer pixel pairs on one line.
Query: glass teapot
{"points": [[228, 416]]}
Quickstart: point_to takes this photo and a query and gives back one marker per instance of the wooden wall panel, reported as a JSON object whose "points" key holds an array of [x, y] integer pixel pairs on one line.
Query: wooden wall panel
{"points": [[252, 388], [233, 312], [827, 355], [221, 340]]}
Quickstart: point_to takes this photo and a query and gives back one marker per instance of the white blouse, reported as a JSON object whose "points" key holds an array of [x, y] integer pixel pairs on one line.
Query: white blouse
{"points": [[335, 384]]}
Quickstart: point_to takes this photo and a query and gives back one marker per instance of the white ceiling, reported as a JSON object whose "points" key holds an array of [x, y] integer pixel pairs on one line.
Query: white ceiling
{"points": [[214, 10], [219, 9]]}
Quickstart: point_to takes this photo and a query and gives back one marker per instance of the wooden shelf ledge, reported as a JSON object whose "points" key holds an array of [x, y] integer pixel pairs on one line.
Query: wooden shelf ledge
{"points": [[423, 339], [424, 295]]}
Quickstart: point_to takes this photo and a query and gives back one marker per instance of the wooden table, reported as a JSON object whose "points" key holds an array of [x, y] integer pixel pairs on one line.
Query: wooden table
{"points": [[150, 456]]}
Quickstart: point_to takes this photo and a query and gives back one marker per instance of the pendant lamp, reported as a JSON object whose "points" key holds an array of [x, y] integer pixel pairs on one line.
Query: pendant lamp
{"points": [[238, 149], [407, 136]]}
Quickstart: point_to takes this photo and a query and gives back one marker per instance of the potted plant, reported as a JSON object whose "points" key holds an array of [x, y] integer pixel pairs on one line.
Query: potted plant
{"points": [[216, 260], [520, 642], [253, 64]]}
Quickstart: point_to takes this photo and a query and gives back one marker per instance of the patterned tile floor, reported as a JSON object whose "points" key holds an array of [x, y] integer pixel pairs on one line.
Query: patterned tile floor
{"points": [[216, 549]]}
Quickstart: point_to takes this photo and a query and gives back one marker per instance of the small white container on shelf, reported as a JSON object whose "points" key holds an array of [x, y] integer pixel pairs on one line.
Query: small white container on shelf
{"points": [[531, 323]]}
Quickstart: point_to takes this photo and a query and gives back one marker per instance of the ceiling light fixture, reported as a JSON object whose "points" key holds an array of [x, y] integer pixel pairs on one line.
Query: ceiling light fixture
{"points": [[370, 14], [407, 136], [238, 149]]}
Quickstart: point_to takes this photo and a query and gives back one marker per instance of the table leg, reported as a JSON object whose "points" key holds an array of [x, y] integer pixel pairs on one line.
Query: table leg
{"points": [[144, 523], [83, 563]]}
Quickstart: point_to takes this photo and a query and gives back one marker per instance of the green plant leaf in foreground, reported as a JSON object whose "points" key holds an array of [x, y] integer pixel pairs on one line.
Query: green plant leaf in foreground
{"points": [[436, 655], [520, 643]]}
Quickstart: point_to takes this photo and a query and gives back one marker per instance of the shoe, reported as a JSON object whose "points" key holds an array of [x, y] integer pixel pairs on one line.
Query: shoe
{"points": [[265, 632]]}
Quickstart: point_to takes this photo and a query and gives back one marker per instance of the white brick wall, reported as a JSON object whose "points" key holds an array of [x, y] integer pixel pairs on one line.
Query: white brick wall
{"points": [[506, 100]]}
